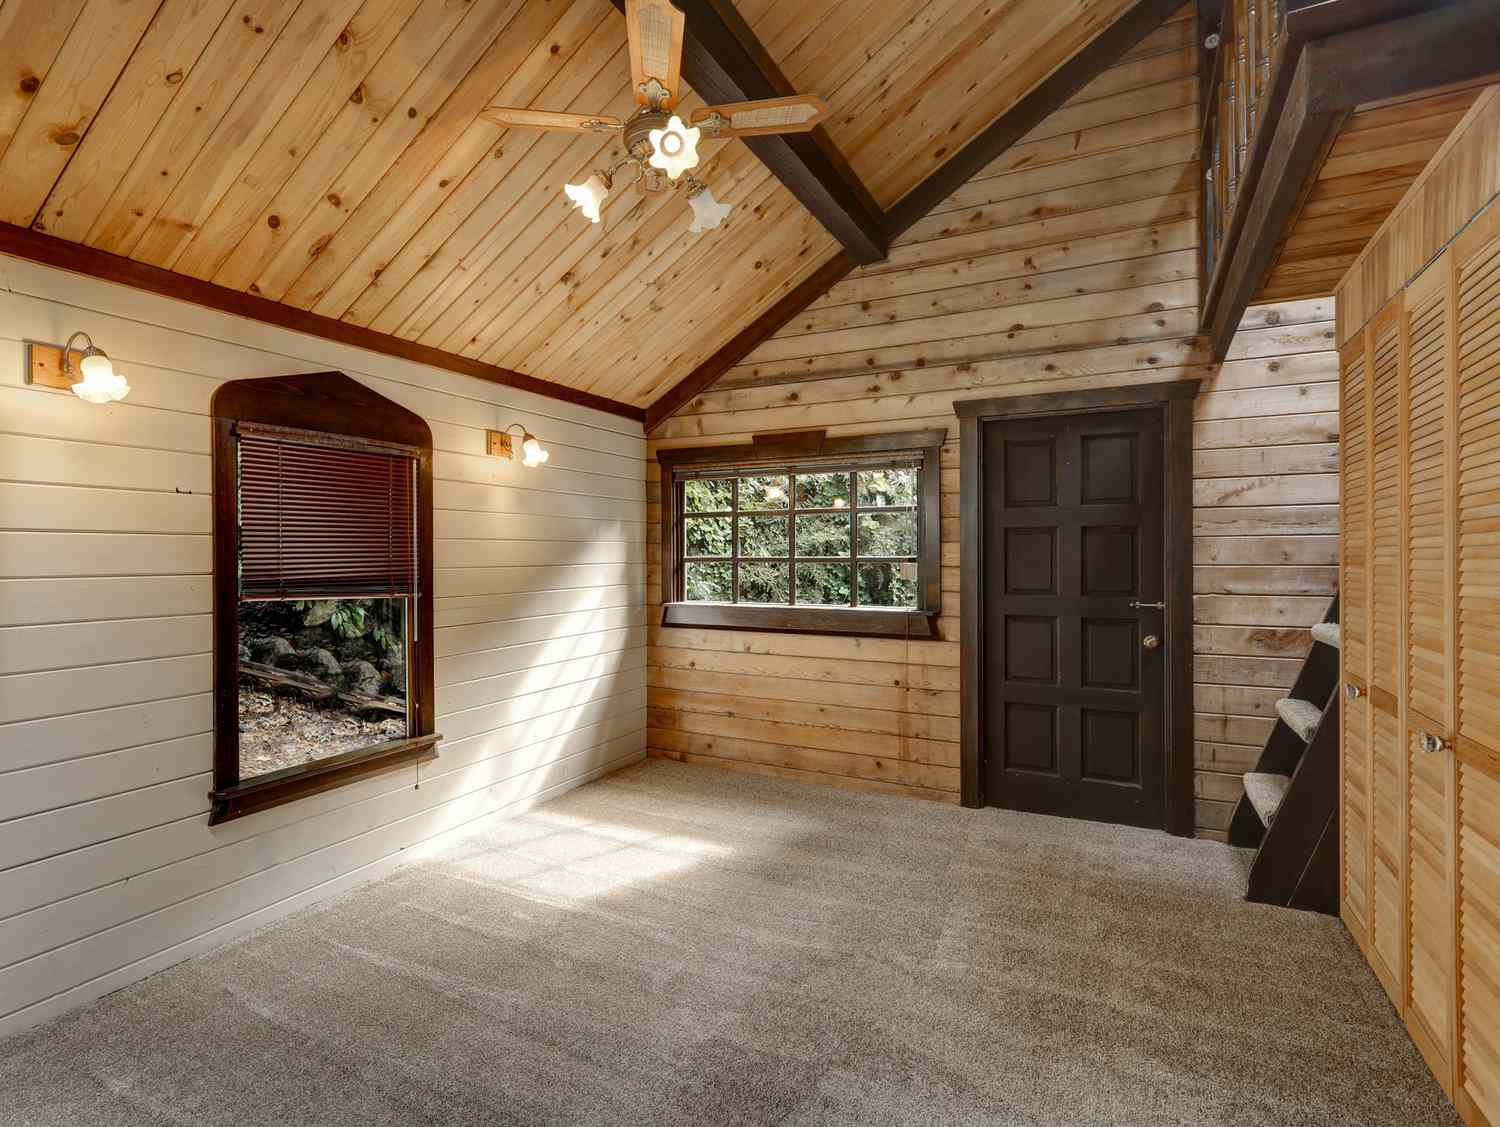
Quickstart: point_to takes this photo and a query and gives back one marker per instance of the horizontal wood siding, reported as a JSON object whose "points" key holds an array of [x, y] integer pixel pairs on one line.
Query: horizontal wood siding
{"points": [[108, 868], [1265, 535], [1068, 263]]}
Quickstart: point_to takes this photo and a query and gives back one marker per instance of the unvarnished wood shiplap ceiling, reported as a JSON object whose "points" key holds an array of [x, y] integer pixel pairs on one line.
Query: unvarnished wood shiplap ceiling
{"points": [[328, 154]]}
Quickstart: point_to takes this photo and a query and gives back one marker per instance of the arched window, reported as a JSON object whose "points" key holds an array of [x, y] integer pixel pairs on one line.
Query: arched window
{"points": [[323, 665]]}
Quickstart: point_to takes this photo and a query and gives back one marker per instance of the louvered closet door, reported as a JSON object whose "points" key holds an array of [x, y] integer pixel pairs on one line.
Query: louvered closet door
{"points": [[1387, 742], [1354, 609], [1477, 254], [1429, 547]]}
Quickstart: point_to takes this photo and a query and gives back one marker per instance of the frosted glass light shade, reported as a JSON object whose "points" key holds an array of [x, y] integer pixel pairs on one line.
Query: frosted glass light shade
{"points": [[708, 212], [100, 383], [588, 196], [532, 452], [674, 149]]}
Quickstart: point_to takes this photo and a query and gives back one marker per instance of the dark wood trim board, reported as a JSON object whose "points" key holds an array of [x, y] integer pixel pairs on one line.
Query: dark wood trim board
{"points": [[49, 250]]}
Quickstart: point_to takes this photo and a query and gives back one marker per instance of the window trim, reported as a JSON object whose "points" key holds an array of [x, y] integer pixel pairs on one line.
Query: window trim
{"points": [[774, 451], [338, 411]]}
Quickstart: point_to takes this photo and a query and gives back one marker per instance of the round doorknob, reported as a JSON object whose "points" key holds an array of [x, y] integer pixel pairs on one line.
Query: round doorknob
{"points": [[1150, 642]]}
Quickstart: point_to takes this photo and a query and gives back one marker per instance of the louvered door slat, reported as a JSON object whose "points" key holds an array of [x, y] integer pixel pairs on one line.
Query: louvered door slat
{"points": [[1388, 790], [1477, 317], [1428, 543], [1479, 495], [1479, 936], [1354, 634]]}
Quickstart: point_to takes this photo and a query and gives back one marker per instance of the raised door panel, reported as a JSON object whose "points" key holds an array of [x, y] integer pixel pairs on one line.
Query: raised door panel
{"points": [[1388, 793], [1429, 547], [1354, 643]]}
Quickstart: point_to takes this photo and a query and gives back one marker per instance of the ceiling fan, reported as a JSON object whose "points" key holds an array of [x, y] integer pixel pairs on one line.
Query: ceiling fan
{"points": [[658, 144]]}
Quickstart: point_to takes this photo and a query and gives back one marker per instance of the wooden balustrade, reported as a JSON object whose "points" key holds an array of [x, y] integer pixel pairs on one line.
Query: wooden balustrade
{"points": [[1251, 48]]}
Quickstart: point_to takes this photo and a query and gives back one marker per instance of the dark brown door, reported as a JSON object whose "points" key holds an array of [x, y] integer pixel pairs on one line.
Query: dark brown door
{"points": [[1074, 668]]}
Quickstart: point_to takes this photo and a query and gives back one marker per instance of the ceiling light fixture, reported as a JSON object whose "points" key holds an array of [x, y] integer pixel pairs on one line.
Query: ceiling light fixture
{"points": [[99, 382], [658, 143], [589, 196], [708, 212], [674, 147]]}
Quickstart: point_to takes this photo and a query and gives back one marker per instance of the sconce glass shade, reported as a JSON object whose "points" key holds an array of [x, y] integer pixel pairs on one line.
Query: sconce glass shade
{"points": [[708, 212], [588, 196], [532, 453], [100, 383], [674, 149]]}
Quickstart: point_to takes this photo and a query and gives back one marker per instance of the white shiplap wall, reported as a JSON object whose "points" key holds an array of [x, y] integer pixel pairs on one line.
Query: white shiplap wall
{"points": [[108, 868]]}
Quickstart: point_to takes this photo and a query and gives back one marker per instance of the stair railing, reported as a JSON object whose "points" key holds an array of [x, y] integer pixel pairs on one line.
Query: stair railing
{"points": [[1247, 58]]}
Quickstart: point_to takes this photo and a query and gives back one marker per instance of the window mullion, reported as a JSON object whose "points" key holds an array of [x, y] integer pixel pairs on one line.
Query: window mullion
{"points": [[854, 539], [791, 541], [734, 542]]}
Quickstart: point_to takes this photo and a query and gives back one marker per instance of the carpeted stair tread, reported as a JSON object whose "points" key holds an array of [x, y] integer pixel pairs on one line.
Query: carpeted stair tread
{"points": [[1265, 792], [1300, 716], [1327, 633]]}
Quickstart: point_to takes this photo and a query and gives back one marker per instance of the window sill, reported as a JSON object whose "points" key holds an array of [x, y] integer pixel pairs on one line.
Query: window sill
{"points": [[860, 621], [277, 787]]}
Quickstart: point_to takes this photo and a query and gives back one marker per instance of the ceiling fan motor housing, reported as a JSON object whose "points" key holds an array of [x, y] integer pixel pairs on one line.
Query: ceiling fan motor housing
{"points": [[638, 131]]}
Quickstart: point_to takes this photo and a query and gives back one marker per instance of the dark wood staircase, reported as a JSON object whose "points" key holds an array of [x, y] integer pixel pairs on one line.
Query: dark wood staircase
{"points": [[1289, 811]]}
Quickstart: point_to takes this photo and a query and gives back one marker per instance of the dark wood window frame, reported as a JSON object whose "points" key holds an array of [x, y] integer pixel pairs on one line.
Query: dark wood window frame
{"points": [[815, 451], [1175, 401], [331, 408]]}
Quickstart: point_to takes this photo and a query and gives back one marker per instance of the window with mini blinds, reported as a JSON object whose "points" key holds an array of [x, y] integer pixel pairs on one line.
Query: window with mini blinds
{"points": [[322, 541], [840, 538]]}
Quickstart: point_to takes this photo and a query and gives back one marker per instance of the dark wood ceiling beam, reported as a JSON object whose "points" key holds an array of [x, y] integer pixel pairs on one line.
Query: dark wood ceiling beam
{"points": [[1333, 75], [1101, 53], [723, 61], [48, 250]]}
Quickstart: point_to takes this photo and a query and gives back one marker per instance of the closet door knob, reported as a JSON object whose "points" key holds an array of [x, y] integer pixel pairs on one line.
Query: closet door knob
{"points": [[1352, 691], [1432, 744]]}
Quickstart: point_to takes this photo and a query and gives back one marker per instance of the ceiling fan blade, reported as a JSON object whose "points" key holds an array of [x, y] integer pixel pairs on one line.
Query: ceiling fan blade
{"points": [[515, 118], [796, 114], [655, 29]]}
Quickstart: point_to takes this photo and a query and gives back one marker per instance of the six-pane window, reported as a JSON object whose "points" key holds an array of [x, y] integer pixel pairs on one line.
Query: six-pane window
{"points": [[816, 536]]}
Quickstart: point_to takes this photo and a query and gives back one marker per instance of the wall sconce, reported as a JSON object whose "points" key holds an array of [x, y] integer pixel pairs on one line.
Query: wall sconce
{"points": [[93, 379], [533, 453]]}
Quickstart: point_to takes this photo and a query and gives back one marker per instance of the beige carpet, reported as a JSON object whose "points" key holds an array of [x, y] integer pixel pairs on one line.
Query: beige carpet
{"points": [[680, 945]]}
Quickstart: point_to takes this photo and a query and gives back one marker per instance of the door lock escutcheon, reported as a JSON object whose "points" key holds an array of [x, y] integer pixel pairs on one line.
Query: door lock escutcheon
{"points": [[1150, 642]]}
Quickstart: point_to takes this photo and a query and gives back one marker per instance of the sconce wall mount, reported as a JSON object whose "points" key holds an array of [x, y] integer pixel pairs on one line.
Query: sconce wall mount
{"points": [[87, 372]]}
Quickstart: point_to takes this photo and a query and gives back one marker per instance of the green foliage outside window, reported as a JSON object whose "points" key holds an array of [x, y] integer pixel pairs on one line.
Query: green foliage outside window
{"points": [[739, 547]]}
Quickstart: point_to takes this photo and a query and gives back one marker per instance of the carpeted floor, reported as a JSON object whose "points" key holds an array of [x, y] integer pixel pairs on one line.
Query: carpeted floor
{"points": [[680, 945]]}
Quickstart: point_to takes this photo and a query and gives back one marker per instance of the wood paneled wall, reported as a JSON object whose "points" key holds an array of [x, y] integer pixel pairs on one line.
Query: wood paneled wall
{"points": [[1069, 262], [1265, 535], [108, 868]]}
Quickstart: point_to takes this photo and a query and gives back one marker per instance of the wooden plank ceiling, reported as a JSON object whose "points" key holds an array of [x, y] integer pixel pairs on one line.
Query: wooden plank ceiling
{"points": [[328, 155], [1379, 151]]}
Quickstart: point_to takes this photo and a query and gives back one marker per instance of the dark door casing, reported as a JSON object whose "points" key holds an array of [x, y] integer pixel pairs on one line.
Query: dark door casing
{"points": [[1074, 670]]}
